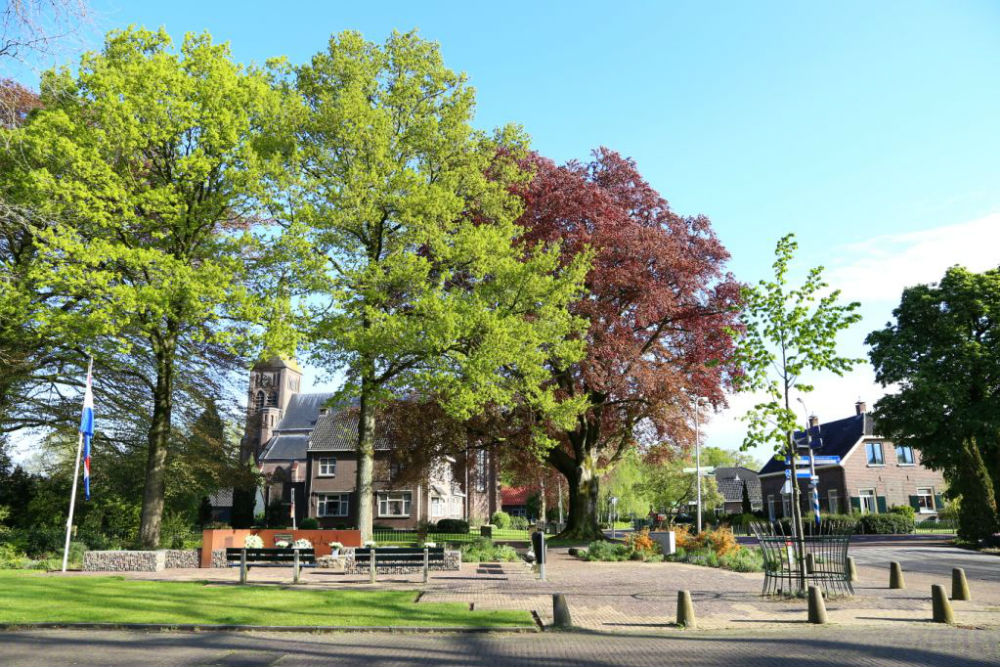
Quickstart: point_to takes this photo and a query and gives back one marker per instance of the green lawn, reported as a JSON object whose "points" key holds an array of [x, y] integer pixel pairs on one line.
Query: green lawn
{"points": [[31, 597]]}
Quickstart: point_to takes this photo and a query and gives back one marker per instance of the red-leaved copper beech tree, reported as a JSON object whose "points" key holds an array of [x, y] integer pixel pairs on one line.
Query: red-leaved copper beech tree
{"points": [[661, 309]]}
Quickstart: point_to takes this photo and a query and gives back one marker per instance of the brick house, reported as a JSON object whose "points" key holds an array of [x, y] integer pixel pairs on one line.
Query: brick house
{"points": [[731, 482], [305, 448], [873, 474]]}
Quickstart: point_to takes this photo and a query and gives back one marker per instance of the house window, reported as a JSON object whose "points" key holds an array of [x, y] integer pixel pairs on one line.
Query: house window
{"points": [[481, 470], [333, 504], [786, 504], [874, 452], [395, 468], [904, 454], [327, 467], [437, 506], [770, 507], [394, 504], [925, 499], [867, 497], [833, 500]]}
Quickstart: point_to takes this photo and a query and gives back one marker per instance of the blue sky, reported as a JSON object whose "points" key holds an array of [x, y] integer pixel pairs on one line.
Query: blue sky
{"points": [[868, 129]]}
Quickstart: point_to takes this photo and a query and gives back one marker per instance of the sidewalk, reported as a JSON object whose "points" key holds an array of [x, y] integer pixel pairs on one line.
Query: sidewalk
{"points": [[639, 597]]}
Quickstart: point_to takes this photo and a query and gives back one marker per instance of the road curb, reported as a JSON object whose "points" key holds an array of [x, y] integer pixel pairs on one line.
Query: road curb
{"points": [[324, 629]]}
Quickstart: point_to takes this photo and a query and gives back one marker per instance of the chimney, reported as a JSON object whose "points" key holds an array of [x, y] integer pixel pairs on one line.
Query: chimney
{"points": [[860, 407], [813, 421]]}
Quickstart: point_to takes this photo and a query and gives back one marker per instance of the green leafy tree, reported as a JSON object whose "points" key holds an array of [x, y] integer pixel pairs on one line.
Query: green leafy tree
{"points": [[943, 354], [788, 332], [623, 483], [717, 457], [405, 223], [156, 158], [670, 490]]}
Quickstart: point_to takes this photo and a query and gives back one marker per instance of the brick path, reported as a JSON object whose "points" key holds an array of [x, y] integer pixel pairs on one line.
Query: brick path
{"points": [[930, 645], [641, 597]]}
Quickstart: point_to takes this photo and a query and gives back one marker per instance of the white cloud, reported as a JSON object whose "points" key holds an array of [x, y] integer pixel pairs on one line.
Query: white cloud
{"points": [[879, 268]]}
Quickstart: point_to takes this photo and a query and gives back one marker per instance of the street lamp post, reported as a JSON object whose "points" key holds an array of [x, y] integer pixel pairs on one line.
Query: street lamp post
{"points": [[697, 455]]}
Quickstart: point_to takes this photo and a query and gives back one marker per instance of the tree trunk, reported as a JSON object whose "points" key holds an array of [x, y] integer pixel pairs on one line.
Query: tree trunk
{"points": [[582, 522], [366, 452], [800, 543], [159, 438]]}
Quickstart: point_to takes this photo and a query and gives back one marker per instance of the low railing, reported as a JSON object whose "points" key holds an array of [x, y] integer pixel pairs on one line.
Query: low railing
{"points": [[823, 561]]}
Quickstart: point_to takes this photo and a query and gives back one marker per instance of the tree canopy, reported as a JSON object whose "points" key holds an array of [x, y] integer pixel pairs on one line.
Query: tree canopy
{"points": [[150, 160], [660, 308], [405, 222], [942, 354]]}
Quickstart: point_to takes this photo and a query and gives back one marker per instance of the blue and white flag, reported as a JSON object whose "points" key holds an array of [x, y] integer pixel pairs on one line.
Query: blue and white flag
{"points": [[87, 429]]}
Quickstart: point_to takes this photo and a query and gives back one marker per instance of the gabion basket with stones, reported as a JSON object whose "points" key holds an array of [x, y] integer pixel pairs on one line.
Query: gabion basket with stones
{"points": [[825, 554]]}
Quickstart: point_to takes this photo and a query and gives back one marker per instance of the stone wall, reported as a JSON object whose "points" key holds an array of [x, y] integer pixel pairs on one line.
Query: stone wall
{"points": [[124, 561], [452, 561], [182, 558], [140, 561]]}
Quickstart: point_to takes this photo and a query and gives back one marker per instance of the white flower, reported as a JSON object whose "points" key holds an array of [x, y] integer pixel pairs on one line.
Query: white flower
{"points": [[281, 544], [302, 543], [253, 542], [370, 543], [430, 545], [336, 545]]}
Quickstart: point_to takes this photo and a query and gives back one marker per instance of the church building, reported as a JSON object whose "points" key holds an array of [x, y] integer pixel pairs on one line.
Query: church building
{"points": [[306, 451]]}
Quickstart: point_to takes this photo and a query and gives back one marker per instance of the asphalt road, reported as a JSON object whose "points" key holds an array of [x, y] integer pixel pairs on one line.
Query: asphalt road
{"points": [[798, 645], [928, 557]]}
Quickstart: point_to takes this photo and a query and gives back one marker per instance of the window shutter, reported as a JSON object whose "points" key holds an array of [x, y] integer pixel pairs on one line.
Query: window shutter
{"points": [[881, 504], [855, 504], [915, 502], [938, 501]]}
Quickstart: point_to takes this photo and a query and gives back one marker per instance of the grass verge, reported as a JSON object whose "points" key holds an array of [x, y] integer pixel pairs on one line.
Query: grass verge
{"points": [[31, 597]]}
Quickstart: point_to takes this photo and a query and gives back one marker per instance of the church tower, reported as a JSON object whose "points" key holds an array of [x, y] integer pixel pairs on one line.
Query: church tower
{"points": [[272, 385]]}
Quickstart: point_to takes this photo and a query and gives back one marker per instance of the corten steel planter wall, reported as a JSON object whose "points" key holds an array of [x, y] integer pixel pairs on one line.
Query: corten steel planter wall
{"points": [[215, 540]]}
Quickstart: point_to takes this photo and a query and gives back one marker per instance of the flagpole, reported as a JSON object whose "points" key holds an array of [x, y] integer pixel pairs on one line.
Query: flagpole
{"points": [[76, 474], [72, 501]]}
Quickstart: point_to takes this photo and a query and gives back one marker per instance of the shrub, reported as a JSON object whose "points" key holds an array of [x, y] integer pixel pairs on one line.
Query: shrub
{"points": [[686, 539], [885, 524], [484, 550], [309, 523], [743, 560], [608, 551], [721, 541], [11, 558], [641, 543], [905, 510], [519, 523], [500, 520], [739, 520], [703, 556], [452, 526]]}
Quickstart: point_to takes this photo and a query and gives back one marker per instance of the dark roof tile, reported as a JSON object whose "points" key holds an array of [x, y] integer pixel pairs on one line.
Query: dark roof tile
{"points": [[839, 437]]}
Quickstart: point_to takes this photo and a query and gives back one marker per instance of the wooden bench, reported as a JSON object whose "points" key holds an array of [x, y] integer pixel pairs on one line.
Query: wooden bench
{"points": [[401, 557], [247, 558]]}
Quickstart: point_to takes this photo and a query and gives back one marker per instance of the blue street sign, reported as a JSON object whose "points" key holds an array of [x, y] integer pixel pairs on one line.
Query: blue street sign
{"points": [[802, 474], [822, 460], [788, 473]]}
